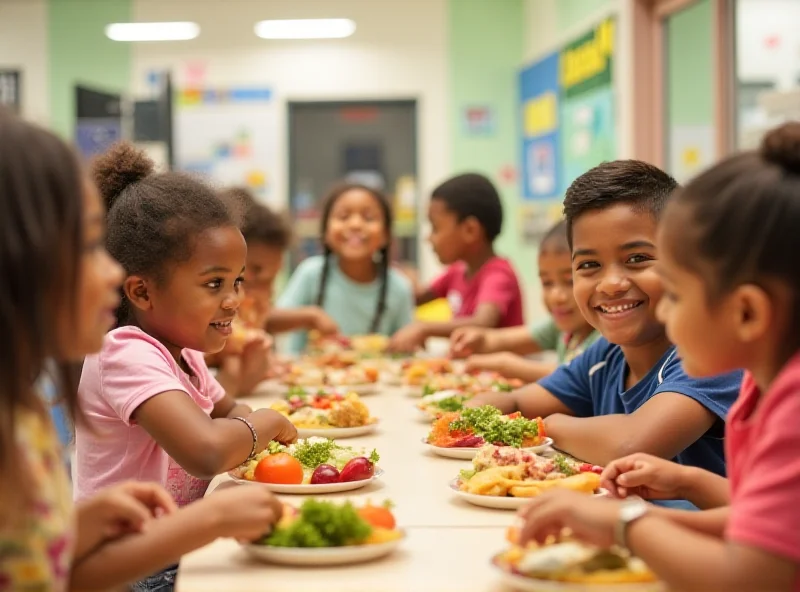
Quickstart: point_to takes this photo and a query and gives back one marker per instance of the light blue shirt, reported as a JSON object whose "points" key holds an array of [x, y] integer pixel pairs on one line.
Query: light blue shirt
{"points": [[351, 304]]}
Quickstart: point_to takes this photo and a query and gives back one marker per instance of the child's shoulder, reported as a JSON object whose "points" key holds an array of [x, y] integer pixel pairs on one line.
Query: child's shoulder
{"points": [[130, 343], [310, 266]]}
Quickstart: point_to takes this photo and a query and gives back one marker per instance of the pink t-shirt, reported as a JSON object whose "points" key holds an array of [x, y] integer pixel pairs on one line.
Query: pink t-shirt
{"points": [[131, 368], [763, 452], [495, 282]]}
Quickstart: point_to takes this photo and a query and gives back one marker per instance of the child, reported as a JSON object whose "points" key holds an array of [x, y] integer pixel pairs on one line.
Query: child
{"points": [[247, 361], [627, 392], [154, 411], [466, 217], [728, 247], [353, 281], [51, 243], [567, 332]]}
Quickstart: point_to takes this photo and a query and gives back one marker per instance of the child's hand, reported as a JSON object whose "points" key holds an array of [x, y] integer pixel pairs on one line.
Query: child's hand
{"points": [[408, 339], [647, 476], [244, 513], [120, 510], [324, 324], [591, 520], [271, 425], [467, 341], [498, 362], [254, 361]]}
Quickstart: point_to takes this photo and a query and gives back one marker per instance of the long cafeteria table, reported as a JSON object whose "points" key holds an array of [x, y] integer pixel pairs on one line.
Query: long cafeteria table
{"points": [[448, 546]]}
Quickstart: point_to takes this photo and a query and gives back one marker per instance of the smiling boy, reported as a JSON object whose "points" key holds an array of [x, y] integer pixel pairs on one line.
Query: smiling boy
{"points": [[628, 392]]}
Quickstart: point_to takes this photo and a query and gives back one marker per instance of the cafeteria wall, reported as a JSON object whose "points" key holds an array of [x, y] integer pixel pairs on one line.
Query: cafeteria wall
{"points": [[23, 46], [399, 50]]}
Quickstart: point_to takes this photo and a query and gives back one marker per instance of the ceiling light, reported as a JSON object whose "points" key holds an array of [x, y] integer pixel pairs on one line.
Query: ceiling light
{"points": [[178, 31], [305, 29]]}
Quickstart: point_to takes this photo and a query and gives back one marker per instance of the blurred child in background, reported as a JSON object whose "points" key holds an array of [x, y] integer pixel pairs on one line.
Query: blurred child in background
{"points": [[353, 282], [566, 332], [482, 289]]}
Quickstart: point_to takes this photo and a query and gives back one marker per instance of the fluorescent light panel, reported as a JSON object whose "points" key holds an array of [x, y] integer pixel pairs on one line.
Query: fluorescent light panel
{"points": [[305, 29], [176, 31]]}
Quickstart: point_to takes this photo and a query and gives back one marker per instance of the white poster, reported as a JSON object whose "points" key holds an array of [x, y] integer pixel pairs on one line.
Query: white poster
{"points": [[691, 149], [230, 136]]}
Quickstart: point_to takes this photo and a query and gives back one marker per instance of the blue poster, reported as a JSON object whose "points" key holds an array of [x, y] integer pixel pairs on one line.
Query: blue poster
{"points": [[94, 136], [539, 106]]}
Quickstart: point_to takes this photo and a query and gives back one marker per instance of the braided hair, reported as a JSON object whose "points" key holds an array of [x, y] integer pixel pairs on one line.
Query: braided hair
{"points": [[383, 255]]}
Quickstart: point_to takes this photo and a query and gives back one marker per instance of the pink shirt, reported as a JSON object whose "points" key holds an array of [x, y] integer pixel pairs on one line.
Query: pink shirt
{"points": [[131, 368], [763, 451], [495, 282]]}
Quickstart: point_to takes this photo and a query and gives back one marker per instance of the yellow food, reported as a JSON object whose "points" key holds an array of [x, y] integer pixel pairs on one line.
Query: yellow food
{"points": [[505, 481]]}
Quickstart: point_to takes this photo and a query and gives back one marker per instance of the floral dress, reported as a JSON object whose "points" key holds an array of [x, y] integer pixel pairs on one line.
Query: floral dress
{"points": [[36, 550]]}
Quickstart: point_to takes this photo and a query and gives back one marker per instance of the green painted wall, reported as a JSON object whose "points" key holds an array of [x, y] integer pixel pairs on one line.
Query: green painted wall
{"points": [[690, 69], [571, 12], [80, 52], [486, 50]]}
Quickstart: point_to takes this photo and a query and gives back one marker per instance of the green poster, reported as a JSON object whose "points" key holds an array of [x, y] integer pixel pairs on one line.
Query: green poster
{"points": [[586, 63]]}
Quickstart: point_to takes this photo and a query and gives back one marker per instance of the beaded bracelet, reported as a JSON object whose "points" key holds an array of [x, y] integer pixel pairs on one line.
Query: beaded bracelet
{"points": [[246, 422]]}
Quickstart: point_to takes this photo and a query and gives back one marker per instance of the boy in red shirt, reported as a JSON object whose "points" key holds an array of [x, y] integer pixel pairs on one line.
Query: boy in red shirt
{"points": [[466, 217]]}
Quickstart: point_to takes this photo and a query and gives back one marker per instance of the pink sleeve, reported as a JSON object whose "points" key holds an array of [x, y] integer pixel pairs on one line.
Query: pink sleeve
{"points": [[441, 285], [132, 371], [498, 287], [765, 512], [214, 389]]}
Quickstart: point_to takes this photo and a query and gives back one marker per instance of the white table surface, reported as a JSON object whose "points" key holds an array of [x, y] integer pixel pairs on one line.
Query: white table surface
{"points": [[449, 543]]}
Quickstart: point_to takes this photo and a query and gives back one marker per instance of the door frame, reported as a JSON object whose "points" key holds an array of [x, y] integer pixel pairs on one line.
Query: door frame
{"points": [[649, 69]]}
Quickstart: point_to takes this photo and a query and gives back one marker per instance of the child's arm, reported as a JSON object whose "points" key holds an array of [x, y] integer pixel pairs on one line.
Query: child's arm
{"points": [[511, 366], [655, 478], [685, 558], [664, 426], [243, 512], [414, 335], [282, 320], [476, 340], [532, 401], [206, 446]]}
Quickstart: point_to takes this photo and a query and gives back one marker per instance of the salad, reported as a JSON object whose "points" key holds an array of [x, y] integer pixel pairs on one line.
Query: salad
{"points": [[327, 524], [316, 409], [442, 402], [313, 461], [471, 383], [472, 428], [504, 471]]}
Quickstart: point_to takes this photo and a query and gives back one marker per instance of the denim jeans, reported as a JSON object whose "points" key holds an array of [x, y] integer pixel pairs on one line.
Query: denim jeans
{"points": [[163, 581]]}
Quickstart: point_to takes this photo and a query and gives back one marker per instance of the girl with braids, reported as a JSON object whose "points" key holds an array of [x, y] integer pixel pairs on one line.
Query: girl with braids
{"points": [[58, 302], [353, 281], [154, 412]]}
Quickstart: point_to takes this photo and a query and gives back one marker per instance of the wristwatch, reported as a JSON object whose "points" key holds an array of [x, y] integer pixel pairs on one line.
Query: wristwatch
{"points": [[630, 512]]}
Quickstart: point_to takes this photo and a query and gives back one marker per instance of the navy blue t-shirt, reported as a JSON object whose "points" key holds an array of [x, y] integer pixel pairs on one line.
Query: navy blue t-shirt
{"points": [[594, 384]]}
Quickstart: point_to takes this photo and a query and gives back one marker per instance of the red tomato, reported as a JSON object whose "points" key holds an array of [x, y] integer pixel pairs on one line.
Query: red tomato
{"points": [[279, 468]]}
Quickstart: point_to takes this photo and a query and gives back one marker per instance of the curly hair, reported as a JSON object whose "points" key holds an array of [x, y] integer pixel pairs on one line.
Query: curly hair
{"points": [[260, 224], [154, 219]]}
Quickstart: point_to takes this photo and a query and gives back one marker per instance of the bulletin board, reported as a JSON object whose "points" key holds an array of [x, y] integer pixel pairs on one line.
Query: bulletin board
{"points": [[230, 136], [567, 110]]}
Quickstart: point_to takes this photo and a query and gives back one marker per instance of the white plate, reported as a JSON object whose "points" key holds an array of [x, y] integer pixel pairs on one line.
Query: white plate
{"points": [[525, 584], [495, 501], [489, 501], [425, 416], [307, 489], [413, 391], [469, 453], [322, 557], [337, 433]]}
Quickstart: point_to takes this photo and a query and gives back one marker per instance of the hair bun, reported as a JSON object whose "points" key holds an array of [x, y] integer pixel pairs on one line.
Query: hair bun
{"points": [[117, 168], [781, 146]]}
